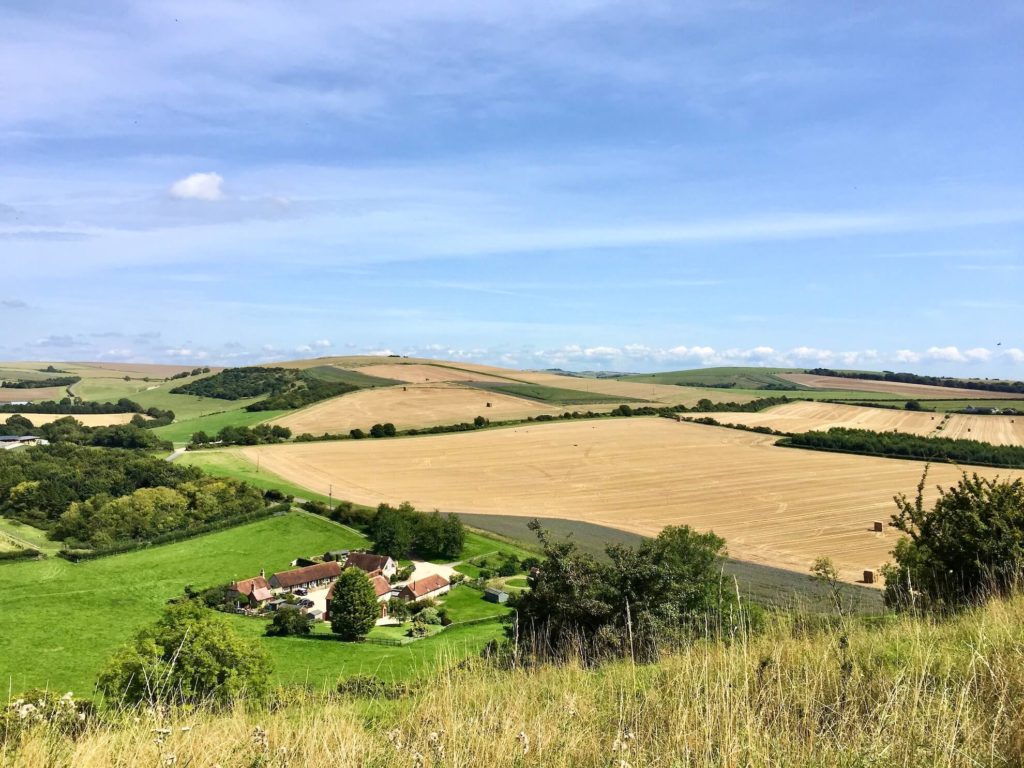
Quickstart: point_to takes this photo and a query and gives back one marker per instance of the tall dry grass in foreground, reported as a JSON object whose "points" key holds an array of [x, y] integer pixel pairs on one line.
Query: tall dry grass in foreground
{"points": [[911, 692]]}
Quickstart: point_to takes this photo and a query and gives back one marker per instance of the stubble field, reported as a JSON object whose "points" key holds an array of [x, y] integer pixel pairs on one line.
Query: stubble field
{"points": [[777, 506], [419, 405], [892, 387], [808, 416]]}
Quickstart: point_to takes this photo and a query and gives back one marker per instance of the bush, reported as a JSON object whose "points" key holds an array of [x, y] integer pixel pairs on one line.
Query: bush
{"points": [[356, 434], [191, 655], [418, 629], [65, 714], [429, 616], [289, 621], [966, 548]]}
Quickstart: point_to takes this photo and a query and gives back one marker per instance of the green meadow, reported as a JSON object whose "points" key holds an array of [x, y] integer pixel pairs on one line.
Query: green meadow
{"points": [[61, 621]]}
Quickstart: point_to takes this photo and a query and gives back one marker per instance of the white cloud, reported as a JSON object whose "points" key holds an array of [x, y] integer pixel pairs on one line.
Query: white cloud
{"points": [[978, 354], [946, 354], [199, 186], [907, 356], [1016, 355]]}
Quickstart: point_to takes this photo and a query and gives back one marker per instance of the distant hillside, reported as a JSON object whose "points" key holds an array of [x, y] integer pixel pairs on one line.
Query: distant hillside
{"points": [[720, 378]]}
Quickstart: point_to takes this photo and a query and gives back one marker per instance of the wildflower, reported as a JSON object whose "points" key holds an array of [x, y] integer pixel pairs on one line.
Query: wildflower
{"points": [[395, 737], [168, 759], [524, 740], [417, 760], [434, 739], [259, 738], [186, 728]]}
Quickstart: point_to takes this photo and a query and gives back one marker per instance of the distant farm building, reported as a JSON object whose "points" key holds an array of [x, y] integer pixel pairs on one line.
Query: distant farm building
{"points": [[493, 595], [382, 588], [250, 593], [371, 563], [7, 442], [434, 585], [309, 577]]}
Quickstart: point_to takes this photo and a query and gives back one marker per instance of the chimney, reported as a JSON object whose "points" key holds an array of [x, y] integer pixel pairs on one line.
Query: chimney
{"points": [[263, 574]]}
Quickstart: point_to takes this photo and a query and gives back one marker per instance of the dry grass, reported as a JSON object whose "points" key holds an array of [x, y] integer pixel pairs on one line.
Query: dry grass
{"points": [[417, 405], [895, 387], [415, 373], [11, 395], [915, 693], [806, 416], [88, 419], [998, 430], [777, 506]]}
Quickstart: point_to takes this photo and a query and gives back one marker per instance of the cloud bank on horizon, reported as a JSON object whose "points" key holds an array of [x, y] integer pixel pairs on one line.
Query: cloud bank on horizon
{"points": [[591, 184]]}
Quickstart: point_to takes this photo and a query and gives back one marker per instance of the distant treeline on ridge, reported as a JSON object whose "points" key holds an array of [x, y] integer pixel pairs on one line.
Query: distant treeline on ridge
{"points": [[1016, 387]]}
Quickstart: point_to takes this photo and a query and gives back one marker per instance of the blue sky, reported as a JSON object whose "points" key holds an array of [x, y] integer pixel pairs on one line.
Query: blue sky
{"points": [[584, 184]]}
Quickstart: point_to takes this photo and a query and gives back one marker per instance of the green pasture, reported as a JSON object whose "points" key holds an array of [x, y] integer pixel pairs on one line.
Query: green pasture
{"points": [[553, 395], [724, 378], [61, 621], [321, 660], [180, 432], [26, 535], [334, 374]]}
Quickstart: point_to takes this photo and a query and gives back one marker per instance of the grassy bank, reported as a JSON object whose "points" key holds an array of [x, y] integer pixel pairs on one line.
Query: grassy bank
{"points": [[907, 692]]}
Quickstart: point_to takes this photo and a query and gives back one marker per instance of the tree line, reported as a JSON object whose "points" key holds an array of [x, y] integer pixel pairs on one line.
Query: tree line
{"points": [[71, 406], [68, 430], [906, 446], [932, 381], [285, 388], [261, 434], [98, 499], [53, 381]]}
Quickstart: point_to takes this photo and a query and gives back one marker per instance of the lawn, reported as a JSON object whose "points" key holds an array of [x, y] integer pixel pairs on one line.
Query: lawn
{"points": [[62, 621], [320, 660], [180, 432], [468, 604], [27, 535]]}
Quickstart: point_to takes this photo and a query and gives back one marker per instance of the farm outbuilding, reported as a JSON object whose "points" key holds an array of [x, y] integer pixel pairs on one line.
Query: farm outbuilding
{"points": [[493, 595]]}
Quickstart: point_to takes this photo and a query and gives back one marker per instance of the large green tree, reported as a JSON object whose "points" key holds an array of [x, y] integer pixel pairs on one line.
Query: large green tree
{"points": [[190, 655], [967, 547], [353, 606], [630, 604]]}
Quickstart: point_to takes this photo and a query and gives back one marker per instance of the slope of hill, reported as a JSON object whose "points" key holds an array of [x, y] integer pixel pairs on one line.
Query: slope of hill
{"points": [[906, 692]]}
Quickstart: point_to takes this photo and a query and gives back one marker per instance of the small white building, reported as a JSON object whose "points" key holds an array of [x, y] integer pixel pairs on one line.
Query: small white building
{"points": [[7, 442]]}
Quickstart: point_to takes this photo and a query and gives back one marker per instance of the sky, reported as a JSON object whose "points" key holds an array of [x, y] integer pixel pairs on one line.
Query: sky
{"points": [[588, 184]]}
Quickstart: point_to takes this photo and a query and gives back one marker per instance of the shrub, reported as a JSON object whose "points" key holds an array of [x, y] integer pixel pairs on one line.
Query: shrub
{"points": [[372, 687], [66, 714], [289, 621], [429, 616]]}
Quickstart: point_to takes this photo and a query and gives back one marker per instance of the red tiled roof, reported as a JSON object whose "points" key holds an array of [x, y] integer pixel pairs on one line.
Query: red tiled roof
{"points": [[366, 561], [248, 586], [380, 585], [425, 586], [300, 576]]}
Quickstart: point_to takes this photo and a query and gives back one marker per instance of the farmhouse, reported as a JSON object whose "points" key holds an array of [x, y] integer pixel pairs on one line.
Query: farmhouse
{"points": [[305, 578], [380, 585], [252, 593], [366, 561], [434, 585], [7, 442]]}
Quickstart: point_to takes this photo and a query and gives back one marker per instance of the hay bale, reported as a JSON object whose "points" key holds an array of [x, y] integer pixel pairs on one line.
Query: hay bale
{"points": [[878, 526], [869, 577]]}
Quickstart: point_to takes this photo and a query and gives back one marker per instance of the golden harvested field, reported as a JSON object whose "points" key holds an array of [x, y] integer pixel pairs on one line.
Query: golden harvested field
{"points": [[910, 390], [11, 395], [418, 405], [807, 416], [415, 373], [779, 506], [998, 430], [87, 419]]}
